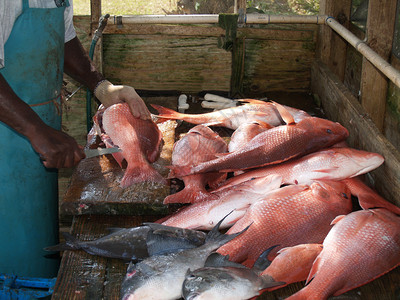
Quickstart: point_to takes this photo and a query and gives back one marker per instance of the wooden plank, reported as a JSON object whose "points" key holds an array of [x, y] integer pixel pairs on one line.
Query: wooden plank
{"points": [[380, 29], [95, 188], [186, 64], [84, 276], [331, 47], [340, 105]]}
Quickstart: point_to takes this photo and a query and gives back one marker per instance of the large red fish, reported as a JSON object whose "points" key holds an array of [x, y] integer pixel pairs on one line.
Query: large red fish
{"points": [[292, 264], [361, 246], [290, 216], [276, 145], [198, 145], [232, 203], [233, 117], [140, 142], [245, 133], [327, 164]]}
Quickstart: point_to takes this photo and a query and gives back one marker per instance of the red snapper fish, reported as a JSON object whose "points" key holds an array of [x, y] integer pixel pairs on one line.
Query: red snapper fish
{"points": [[292, 264], [235, 201], [276, 145], [140, 142], [198, 145], [245, 133], [327, 164], [233, 117], [292, 215], [360, 247]]}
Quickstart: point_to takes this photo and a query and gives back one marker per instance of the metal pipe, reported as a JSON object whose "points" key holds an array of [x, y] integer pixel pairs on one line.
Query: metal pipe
{"points": [[361, 46], [213, 19]]}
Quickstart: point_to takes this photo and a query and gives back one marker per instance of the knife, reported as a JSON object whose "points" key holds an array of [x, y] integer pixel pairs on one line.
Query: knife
{"points": [[100, 151]]}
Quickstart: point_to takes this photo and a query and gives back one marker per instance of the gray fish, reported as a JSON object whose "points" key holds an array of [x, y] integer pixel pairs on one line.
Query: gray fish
{"points": [[224, 279], [161, 276], [134, 243]]}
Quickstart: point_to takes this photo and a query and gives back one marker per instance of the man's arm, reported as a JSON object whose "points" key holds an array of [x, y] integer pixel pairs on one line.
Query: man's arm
{"points": [[57, 149], [78, 65]]}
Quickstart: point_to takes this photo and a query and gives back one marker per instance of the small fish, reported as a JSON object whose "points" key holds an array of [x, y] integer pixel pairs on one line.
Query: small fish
{"points": [[233, 117], [292, 264], [133, 243], [140, 142], [203, 215], [161, 277], [292, 215], [221, 279], [327, 164], [360, 247], [276, 145], [200, 144]]}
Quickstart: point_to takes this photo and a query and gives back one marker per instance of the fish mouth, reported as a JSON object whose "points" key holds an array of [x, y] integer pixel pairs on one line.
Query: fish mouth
{"points": [[192, 296]]}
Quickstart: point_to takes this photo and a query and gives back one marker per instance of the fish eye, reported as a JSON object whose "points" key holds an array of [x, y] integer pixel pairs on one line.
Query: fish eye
{"points": [[329, 131]]}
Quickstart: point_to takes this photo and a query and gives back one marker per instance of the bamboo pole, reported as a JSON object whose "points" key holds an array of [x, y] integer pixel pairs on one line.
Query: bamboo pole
{"points": [[361, 46]]}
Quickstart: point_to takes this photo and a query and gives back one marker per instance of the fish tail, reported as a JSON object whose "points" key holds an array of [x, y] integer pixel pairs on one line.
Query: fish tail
{"points": [[71, 243], [167, 112], [189, 195], [215, 236], [142, 174]]}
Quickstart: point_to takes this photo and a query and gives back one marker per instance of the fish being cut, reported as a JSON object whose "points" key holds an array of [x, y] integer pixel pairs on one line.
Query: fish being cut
{"points": [[292, 215], [233, 117], [140, 142], [221, 279], [203, 215], [360, 247], [276, 145], [161, 277], [292, 264], [198, 145], [133, 243], [327, 164]]}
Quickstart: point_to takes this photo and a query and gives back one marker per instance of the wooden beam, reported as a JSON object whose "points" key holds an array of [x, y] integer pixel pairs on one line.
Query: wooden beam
{"points": [[331, 48], [380, 29], [340, 105]]}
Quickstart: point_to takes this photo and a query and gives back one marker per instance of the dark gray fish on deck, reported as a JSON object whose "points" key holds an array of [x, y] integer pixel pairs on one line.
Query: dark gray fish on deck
{"points": [[136, 243], [224, 279], [161, 276]]}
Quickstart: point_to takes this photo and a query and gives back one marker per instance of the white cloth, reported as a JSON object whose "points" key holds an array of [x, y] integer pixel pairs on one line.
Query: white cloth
{"points": [[11, 9]]}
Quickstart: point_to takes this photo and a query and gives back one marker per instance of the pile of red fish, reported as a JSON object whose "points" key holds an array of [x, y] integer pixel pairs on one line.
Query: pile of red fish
{"points": [[294, 177], [288, 175]]}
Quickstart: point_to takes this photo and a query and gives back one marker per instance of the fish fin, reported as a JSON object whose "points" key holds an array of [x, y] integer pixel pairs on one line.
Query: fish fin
{"points": [[197, 237], [179, 171], [137, 175], [71, 243], [218, 260], [253, 101], [286, 116], [328, 170], [337, 219], [262, 261], [314, 269], [167, 112]]}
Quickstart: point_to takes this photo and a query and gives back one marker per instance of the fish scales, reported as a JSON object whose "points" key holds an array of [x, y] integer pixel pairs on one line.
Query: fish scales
{"points": [[290, 216], [277, 145], [361, 246]]}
